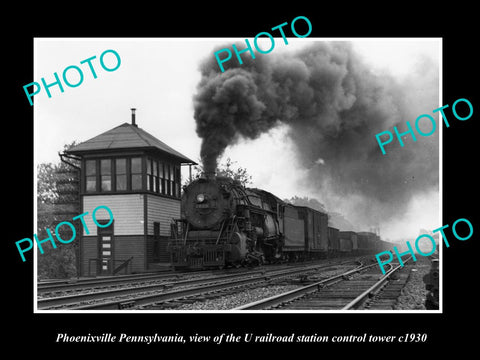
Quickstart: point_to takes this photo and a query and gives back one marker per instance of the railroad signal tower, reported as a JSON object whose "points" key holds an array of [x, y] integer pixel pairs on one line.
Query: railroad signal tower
{"points": [[138, 177]]}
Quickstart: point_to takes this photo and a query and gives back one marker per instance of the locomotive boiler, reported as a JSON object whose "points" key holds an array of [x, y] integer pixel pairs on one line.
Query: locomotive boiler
{"points": [[224, 223]]}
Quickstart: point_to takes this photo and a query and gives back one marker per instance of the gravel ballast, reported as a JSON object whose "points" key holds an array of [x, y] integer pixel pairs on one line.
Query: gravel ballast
{"points": [[414, 293]]}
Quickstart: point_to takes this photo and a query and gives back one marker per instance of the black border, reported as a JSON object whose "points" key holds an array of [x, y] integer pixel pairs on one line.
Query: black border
{"points": [[456, 25]]}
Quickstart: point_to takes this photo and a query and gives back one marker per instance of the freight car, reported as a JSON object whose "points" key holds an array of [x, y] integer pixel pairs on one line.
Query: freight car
{"points": [[366, 242], [333, 242], [348, 242], [304, 232], [225, 224]]}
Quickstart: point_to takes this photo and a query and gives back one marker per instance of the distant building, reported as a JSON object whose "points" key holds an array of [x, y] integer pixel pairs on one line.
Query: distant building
{"points": [[137, 176]]}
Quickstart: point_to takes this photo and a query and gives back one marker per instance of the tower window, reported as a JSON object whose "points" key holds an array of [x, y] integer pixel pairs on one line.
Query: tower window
{"points": [[106, 174], [136, 171], [121, 174], [91, 175]]}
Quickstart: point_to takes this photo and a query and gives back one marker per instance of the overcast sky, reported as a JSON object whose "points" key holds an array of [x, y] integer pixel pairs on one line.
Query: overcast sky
{"points": [[159, 78]]}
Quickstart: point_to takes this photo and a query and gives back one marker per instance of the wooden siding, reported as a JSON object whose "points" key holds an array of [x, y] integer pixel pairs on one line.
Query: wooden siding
{"points": [[348, 237], [89, 250], [162, 210], [124, 248], [149, 249], [294, 229], [127, 212], [127, 246], [333, 239], [164, 256]]}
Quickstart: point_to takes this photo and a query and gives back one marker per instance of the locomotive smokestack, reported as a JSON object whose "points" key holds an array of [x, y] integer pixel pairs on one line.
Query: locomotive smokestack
{"points": [[209, 175]]}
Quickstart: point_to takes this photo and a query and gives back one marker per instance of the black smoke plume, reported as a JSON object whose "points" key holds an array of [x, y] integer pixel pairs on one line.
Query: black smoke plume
{"points": [[333, 105]]}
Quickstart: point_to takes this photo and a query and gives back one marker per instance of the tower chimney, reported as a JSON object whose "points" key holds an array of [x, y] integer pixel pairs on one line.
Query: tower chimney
{"points": [[133, 117]]}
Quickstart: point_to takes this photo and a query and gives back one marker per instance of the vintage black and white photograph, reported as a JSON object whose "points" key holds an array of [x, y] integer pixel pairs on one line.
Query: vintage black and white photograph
{"points": [[275, 174]]}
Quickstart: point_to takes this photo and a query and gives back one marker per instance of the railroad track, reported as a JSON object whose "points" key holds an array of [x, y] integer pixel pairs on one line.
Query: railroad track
{"points": [[94, 295], [47, 288], [81, 284], [160, 295], [63, 287], [354, 289]]}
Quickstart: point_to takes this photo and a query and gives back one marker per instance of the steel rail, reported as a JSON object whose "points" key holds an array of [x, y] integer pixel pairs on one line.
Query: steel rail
{"points": [[85, 283], [105, 294], [358, 301], [71, 284], [300, 292], [208, 284], [165, 296]]}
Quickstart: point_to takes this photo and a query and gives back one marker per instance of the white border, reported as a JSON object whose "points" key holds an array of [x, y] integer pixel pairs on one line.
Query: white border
{"points": [[276, 312]]}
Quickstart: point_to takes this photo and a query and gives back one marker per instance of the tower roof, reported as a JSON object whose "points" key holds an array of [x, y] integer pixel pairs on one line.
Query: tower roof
{"points": [[126, 137]]}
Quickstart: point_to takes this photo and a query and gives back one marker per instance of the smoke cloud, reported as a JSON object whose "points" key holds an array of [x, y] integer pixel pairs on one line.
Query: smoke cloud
{"points": [[333, 105]]}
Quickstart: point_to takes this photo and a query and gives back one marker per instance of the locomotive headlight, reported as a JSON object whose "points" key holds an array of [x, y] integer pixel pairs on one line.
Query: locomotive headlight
{"points": [[200, 198]]}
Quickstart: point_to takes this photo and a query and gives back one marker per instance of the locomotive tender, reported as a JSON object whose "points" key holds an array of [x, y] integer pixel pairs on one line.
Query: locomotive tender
{"points": [[223, 223]]}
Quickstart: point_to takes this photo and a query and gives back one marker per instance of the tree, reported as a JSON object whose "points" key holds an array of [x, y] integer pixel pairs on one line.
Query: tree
{"points": [[58, 200], [239, 174]]}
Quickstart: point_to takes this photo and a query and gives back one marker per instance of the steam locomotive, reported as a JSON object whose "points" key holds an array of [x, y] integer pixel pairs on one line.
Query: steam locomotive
{"points": [[225, 224]]}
